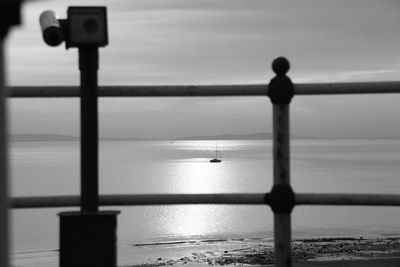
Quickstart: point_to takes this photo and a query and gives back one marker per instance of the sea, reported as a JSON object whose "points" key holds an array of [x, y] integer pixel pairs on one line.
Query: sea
{"points": [[171, 166]]}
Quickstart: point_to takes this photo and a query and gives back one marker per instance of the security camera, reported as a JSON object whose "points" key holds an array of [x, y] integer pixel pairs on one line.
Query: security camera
{"points": [[52, 31]]}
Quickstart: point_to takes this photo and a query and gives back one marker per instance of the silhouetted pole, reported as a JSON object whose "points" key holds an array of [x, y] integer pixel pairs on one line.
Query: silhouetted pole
{"points": [[282, 196], [4, 250], [88, 65], [9, 15]]}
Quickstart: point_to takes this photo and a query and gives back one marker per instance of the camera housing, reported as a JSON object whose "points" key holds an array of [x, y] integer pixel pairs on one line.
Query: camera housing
{"points": [[87, 26], [52, 32]]}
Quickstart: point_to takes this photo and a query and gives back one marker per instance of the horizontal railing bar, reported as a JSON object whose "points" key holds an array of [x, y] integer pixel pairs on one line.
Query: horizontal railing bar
{"points": [[177, 199], [347, 88], [206, 90], [228, 199], [44, 202], [140, 200], [143, 91], [348, 199]]}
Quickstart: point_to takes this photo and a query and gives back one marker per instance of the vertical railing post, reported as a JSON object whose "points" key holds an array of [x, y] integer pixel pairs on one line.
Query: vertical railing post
{"points": [[282, 202], [9, 15]]}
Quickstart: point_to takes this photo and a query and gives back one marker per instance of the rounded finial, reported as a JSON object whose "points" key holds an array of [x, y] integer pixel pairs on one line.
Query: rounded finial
{"points": [[280, 65]]}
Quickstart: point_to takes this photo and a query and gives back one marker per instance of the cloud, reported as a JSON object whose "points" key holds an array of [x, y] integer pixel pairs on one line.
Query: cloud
{"points": [[214, 42], [225, 41]]}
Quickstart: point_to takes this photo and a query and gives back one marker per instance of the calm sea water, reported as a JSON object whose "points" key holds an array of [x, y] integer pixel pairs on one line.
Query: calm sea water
{"points": [[129, 167]]}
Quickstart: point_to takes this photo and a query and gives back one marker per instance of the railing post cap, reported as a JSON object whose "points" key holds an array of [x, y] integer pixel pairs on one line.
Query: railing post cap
{"points": [[280, 66], [280, 88]]}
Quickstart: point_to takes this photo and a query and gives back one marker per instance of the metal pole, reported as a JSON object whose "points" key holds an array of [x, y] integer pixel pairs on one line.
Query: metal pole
{"points": [[9, 15], [282, 222], [282, 196], [88, 65]]}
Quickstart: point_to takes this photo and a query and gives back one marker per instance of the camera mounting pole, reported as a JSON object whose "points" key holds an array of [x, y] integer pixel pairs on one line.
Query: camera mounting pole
{"points": [[88, 237], [88, 66], [87, 30]]}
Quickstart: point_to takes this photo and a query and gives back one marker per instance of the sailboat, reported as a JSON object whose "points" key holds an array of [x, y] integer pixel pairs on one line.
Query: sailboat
{"points": [[216, 159]]}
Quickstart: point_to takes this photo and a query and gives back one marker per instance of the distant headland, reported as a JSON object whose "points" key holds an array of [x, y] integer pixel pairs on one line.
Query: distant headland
{"points": [[42, 138]]}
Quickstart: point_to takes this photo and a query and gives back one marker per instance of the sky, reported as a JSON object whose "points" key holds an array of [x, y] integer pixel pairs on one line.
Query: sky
{"points": [[217, 42]]}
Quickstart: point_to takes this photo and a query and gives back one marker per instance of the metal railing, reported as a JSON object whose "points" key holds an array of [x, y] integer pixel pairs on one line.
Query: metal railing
{"points": [[206, 90], [281, 198], [226, 199]]}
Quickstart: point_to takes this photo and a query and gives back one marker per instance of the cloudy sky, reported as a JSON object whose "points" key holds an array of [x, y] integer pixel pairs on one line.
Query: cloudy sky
{"points": [[217, 42]]}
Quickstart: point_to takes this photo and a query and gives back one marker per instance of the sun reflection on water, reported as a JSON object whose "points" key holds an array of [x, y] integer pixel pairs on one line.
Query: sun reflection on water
{"points": [[199, 176], [196, 175], [192, 220]]}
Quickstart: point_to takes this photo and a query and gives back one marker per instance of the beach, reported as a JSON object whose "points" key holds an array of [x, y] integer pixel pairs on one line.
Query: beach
{"points": [[354, 251], [323, 251]]}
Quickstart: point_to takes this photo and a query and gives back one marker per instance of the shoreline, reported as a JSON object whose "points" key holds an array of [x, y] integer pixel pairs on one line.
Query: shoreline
{"points": [[357, 251], [319, 251], [346, 251]]}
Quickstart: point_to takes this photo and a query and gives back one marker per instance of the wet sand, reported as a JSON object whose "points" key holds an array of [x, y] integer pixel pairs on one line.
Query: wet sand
{"points": [[326, 251], [360, 251]]}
